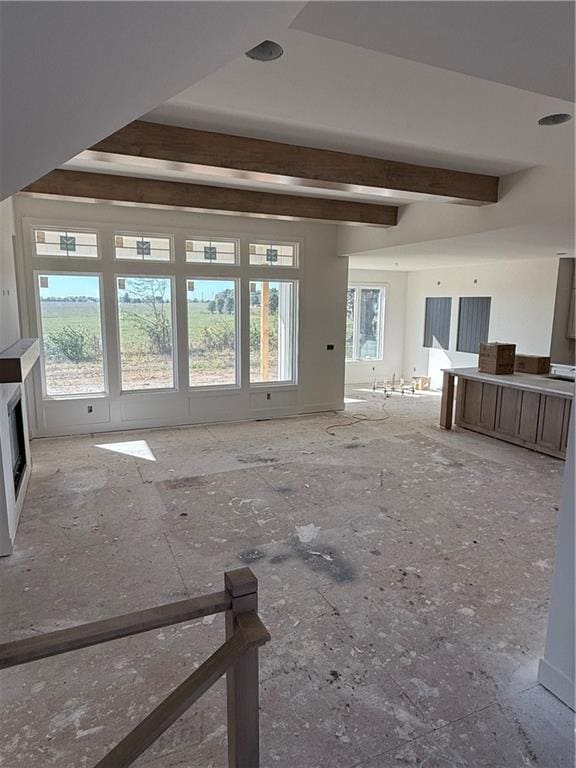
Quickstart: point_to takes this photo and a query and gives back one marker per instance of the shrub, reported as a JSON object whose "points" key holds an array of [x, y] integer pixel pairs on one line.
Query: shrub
{"points": [[216, 339], [76, 344]]}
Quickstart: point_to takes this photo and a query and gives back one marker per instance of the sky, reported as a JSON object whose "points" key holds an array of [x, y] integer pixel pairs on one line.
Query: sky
{"points": [[60, 286]]}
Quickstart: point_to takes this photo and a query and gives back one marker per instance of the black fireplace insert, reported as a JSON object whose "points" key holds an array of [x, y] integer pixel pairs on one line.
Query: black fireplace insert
{"points": [[17, 441]]}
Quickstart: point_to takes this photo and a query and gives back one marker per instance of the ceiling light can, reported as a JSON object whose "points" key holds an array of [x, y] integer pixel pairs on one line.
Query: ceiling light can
{"points": [[267, 50], [555, 119]]}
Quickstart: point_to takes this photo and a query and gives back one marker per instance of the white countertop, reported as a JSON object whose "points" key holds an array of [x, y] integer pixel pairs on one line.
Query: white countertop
{"points": [[528, 381]]}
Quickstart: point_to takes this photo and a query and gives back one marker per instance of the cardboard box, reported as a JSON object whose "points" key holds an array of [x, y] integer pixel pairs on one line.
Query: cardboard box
{"points": [[532, 364], [421, 383], [497, 358]]}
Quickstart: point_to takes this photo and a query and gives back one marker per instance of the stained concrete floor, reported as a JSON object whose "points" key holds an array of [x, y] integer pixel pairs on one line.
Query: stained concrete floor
{"points": [[404, 575]]}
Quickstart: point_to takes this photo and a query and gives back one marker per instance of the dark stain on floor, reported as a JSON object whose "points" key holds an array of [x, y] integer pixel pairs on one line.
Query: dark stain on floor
{"points": [[314, 555]]}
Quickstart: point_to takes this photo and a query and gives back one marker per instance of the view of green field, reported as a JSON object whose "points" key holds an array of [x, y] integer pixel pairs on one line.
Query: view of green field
{"points": [[73, 352]]}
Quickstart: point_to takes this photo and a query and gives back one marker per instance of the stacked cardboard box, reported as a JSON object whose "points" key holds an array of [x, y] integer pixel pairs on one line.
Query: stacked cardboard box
{"points": [[532, 364], [497, 358]]}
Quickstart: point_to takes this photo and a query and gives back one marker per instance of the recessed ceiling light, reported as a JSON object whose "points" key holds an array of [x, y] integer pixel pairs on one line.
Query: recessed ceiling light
{"points": [[556, 119], [267, 50]]}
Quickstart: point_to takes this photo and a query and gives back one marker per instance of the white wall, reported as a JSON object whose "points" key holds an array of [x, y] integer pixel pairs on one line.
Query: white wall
{"points": [[522, 310], [9, 326], [9, 333], [394, 283], [557, 667], [322, 300]]}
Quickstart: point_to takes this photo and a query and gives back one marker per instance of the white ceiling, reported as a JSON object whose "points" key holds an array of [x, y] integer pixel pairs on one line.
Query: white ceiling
{"points": [[528, 45], [506, 244], [330, 94]]}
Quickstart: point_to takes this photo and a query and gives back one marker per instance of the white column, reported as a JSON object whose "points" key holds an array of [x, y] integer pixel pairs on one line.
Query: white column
{"points": [[556, 671]]}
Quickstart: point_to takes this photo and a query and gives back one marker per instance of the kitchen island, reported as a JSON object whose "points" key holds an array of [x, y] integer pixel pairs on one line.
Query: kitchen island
{"points": [[528, 410]]}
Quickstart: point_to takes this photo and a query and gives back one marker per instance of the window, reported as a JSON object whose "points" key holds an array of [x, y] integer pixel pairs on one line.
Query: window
{"points": [[146, 335], [350, 318], [273, 254], [71, 330], [212, 251], [364, 323], [272, 330], [212, 334], [143, 248], [473, 323], [437, 322], [63, 244]]}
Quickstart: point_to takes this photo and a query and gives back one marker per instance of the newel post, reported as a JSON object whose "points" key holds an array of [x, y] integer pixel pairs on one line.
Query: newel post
{"points": [[242, 678]]}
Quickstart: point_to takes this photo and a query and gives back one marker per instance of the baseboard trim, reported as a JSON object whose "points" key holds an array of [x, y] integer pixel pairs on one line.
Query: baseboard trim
{"points": [[557, 683]]}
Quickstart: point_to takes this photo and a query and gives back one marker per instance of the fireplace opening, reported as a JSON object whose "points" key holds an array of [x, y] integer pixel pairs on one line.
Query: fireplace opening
{"points": [[17, 442]]}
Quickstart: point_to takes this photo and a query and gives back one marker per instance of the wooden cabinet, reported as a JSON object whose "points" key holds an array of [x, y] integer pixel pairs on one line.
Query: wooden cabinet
{"points": [[525, 417]]}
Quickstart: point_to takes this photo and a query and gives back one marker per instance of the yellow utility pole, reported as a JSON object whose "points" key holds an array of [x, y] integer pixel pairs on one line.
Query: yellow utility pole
{"points": [[264, 331]]}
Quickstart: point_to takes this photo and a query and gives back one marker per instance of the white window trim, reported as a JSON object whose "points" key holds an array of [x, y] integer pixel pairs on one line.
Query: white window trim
{"points": [[152, 390], [237, 350], [36, 288], [356, 324], [294, 331], [108, 268]]}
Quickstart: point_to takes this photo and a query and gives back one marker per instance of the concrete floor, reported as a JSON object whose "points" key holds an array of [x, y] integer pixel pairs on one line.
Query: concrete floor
{"points": [[404, 575]]}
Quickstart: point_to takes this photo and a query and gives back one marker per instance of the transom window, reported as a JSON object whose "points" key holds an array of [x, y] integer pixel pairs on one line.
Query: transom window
{"points": [[143, 248], [364, 323], [212, 251], [64, 244], [273, 254]]}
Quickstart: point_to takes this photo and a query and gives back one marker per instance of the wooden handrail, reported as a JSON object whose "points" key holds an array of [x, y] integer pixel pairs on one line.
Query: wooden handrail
{"points": [[251, 633], [237, 657], [85, 635]]}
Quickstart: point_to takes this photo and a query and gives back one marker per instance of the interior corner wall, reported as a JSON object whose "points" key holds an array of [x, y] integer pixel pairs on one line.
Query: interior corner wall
{"points": [[9, 323], [522, 310], [10, 506], [392, 363], [322, 311]]}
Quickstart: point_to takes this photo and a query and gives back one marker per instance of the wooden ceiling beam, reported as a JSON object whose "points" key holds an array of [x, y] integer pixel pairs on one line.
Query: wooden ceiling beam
{"points": [[247, 158], [200, 197]]}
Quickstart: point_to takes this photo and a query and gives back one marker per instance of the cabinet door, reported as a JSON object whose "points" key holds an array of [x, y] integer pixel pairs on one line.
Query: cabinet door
{"points": [[471, 401], [508, 411], [529, 411], [488, 402], [551, 422], [479, 404]]}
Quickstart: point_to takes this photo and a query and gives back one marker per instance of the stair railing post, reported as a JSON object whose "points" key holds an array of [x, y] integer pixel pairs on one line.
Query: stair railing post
{"points": [[242, 678]]}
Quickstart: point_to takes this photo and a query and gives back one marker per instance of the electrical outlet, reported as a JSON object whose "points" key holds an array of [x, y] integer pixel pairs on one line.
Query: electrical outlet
{"points": [[268, 396], [90, 409], [330, 347]]}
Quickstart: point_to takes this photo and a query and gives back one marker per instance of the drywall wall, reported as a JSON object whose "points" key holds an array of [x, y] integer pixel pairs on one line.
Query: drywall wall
{"points": [[9, 326], [9, 333], [562, 347], [557, 667], [392, 363], [73, 73], [522, 310], [322, 299]]}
